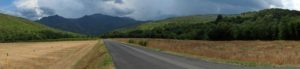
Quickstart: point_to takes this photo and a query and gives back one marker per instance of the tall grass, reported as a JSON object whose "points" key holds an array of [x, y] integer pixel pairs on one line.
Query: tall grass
{"points": [[263, 52], [97, 58]]}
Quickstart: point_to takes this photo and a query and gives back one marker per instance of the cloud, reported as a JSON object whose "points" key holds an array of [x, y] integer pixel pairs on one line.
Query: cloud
{"points": [[291, 4], [10, 13], [157, 9], [35, 9], [145, 9], [29, 9], [78, 8]]}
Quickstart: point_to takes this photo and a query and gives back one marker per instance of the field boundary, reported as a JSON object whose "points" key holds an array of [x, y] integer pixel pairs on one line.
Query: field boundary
{"points": [[97, 58], [53, 40]]}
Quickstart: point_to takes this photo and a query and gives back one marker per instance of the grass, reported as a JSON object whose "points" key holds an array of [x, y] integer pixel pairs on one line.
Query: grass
{"points": [[106, 61], [87, 54], [61, 39], [98, 58], [53, 40], [41, 55], [234, 62], [247, 53]]}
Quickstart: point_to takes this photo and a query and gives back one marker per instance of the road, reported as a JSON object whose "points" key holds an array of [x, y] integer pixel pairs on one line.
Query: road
{"points": [[133, 57]]}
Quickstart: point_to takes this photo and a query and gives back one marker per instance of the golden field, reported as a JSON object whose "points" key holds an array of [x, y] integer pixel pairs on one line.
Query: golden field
{"points": [[51, 55]]}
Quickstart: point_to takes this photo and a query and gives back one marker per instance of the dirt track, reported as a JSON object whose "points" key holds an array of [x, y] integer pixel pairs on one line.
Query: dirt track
{"points": [[43, 55]]}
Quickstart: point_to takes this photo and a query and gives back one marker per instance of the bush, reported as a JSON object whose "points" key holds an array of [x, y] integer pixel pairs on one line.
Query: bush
{"points": [[131, 41], [143, 42]]}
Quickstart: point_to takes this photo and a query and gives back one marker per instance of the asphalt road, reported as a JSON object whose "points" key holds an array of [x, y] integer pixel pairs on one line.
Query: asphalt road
{"points": [[133, 57]]}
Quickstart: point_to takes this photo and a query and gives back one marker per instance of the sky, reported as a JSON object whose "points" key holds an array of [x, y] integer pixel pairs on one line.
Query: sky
{"points": [[5, 2], [137, 9]]}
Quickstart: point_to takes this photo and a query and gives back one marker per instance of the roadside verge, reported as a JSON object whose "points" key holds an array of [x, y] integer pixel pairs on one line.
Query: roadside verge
{"points": [[97, 58]]}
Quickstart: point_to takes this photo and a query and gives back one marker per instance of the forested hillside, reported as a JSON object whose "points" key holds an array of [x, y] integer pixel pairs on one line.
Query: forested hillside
{"points": [[268, 24], [173, 21], [150, 29], [19, 29], [90, 25]]}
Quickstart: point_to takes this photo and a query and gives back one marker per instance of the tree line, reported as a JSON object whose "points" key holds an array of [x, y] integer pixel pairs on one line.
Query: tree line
{"points": [[11, 36], [268, 24]]}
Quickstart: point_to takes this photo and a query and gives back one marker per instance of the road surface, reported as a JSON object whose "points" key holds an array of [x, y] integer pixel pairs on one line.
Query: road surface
{"points": [[133, 57]]}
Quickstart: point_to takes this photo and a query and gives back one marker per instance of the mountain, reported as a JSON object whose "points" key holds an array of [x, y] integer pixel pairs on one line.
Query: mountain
{"points": [[267, 24], [91, 25], [19, 29]]}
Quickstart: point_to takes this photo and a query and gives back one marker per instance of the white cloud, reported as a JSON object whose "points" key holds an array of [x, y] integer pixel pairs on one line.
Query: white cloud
{"points": [[291, 4], [67, 8], [145, 9], [35, 9], [10, 12], [30, 7], [26, 4]]}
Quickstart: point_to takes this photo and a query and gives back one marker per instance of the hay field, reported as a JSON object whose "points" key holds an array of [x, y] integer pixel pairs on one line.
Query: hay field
{"points": [[43, 55]]}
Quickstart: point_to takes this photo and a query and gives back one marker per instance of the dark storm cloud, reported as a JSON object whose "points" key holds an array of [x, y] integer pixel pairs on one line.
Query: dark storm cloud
{"points": [[222, 6], [47, 11], [118, 1], [157, 9], [29, 14]]}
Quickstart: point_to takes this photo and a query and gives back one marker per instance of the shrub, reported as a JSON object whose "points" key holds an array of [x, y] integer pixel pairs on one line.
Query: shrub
{"points": [[143, 42], [131, 41]]}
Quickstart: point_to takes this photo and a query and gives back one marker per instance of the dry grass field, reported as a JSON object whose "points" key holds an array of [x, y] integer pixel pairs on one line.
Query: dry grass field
{"points": [[258, 52], [45, 55]]}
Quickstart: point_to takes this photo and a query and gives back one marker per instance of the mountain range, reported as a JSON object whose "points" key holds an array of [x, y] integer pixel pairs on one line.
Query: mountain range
{"points": [[89, 25]]}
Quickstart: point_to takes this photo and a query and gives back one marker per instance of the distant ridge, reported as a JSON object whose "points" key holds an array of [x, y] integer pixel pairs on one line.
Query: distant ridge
{"points": [[90, 24]]}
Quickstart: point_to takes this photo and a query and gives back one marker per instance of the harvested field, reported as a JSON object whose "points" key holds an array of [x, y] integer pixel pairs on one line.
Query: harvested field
{"points": [[44, 55], [252, 52]]}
